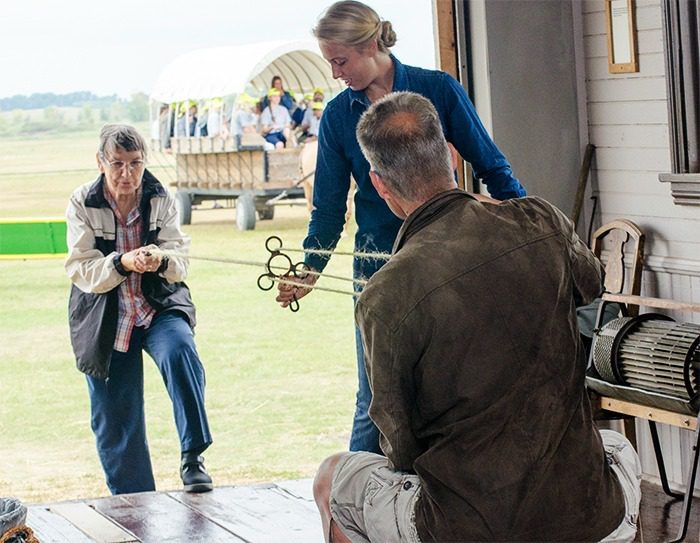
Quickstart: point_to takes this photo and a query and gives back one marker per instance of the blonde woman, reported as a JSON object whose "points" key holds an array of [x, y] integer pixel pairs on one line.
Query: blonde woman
{"points": [[356, 42]]}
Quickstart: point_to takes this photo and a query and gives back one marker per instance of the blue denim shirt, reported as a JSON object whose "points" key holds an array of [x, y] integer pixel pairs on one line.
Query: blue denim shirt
{"points": [[339, 157]]}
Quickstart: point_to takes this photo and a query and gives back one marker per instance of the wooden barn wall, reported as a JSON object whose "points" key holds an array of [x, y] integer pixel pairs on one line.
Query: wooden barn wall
{"points": [[628, 123]]}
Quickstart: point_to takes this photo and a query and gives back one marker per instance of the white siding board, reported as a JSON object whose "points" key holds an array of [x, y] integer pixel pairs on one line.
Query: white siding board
{"points": [[628, 89], [594, 24], [651, 65], [632, 182], [651, 160], [678, 229], [650, 205], [640, 4], [676, 250], [596, 47], [645, 206], [632, 112], [593, 6], [695, 289], [648, 461], [633, 136], [648, 41], [647, 18], [597, 6]]}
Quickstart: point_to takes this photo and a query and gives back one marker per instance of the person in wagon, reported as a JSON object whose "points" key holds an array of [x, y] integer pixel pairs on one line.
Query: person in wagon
{"points": [[126, 299], [286, 98], [478, 383], [276, 122], [243, 119], [312, 123]]}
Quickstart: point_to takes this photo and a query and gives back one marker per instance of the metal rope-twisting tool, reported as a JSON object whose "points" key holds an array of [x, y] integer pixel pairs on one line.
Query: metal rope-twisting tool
{"points": [[280, 261]]}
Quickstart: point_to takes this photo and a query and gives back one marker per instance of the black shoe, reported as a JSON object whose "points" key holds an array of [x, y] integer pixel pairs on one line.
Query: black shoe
{"points": [[194, 475]]}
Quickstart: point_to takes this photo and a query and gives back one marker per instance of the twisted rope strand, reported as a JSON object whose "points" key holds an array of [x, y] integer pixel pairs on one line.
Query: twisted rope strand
{"points": [[175, 254], [326, 252], [310, 287]]}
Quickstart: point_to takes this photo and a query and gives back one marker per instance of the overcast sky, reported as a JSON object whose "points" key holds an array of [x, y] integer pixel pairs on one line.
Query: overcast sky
{"points": [[119, 47]]}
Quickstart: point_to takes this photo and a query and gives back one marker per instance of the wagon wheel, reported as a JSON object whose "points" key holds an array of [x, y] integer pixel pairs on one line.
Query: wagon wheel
{"points": [[245, 211], [183, 201]]}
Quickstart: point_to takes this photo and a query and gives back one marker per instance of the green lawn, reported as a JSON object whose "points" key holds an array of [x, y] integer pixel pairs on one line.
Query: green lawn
{"points": [[280, 385]]}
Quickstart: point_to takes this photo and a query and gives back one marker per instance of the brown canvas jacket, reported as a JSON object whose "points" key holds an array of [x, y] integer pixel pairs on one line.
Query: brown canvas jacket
{"points": [[477, 372]]}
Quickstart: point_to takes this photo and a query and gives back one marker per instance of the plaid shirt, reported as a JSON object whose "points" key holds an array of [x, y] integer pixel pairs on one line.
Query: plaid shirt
{"points": [[134, 310]]}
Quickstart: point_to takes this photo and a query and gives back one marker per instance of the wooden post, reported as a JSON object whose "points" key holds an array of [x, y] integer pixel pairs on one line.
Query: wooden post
{"points": [[446, 55]]}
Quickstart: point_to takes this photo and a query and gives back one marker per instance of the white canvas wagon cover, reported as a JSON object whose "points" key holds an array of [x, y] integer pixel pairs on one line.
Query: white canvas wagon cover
{"points": [[223, 71]]}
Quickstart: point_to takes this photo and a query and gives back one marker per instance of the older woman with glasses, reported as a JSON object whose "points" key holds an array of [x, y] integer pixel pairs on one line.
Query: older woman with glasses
{"points": [[126, 299]]}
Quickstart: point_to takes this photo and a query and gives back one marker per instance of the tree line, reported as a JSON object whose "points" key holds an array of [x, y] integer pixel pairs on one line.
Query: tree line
{"points": [[48, 112], [41, 100]]}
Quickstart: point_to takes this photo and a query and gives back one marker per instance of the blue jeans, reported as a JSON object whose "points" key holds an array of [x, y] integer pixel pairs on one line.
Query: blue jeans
{"points": [[117, 404], [365, 435]]}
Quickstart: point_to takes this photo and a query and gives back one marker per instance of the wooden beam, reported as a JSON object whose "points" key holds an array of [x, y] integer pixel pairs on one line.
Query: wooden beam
{"points": [[648, 413], [658, 303], [445, 37], [446, 52]]}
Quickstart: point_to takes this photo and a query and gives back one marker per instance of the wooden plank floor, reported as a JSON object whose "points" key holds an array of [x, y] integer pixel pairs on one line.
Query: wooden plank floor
{"points": [[268, 513]]}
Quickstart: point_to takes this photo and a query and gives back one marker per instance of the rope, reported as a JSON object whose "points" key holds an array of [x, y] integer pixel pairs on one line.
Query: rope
{"points": [[175, 254], [320, 274], [19, 533], [326, 252], [310, 287]]}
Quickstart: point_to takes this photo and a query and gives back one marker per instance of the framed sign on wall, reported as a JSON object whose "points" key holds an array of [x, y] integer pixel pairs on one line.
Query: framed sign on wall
{"points": [[622, 36]]}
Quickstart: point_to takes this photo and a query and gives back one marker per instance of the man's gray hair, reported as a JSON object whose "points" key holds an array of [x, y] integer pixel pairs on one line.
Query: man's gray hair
{"points": [[114, 137], [401, 137]]}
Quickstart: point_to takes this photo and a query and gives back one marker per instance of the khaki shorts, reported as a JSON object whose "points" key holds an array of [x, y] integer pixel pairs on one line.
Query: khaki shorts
{"points": [[624, 462], [372, 502]]}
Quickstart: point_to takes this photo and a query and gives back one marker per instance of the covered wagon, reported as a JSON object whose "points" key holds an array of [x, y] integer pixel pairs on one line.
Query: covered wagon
{"points": [[220, 166]]}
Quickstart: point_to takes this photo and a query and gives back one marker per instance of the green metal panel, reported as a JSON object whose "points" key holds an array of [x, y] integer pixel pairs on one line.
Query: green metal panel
{"points": [[33, 237]]}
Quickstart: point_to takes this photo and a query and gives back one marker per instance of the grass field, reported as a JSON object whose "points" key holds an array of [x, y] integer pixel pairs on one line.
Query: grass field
{"points": [[280, 386]]}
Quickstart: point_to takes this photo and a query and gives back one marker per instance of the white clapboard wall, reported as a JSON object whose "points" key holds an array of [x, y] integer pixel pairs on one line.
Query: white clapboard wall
{"points": [[628, 123]]}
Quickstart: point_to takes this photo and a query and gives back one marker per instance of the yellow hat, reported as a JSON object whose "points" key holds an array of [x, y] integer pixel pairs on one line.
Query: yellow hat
{"points": [[273, 92], [308, 97], [316, 106], [318, 90], [244, 98]]}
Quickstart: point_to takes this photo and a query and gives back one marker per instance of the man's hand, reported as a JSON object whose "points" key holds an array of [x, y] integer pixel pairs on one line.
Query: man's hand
{"points": [[141, 260], [287, 293]]}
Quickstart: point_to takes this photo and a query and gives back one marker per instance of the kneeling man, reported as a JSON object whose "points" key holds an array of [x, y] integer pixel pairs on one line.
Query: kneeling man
{"points": [[476, 366]]}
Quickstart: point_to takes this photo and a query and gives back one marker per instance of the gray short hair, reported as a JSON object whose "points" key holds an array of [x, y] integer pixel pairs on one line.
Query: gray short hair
{"points": [[123, 137], [401, 137]]}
